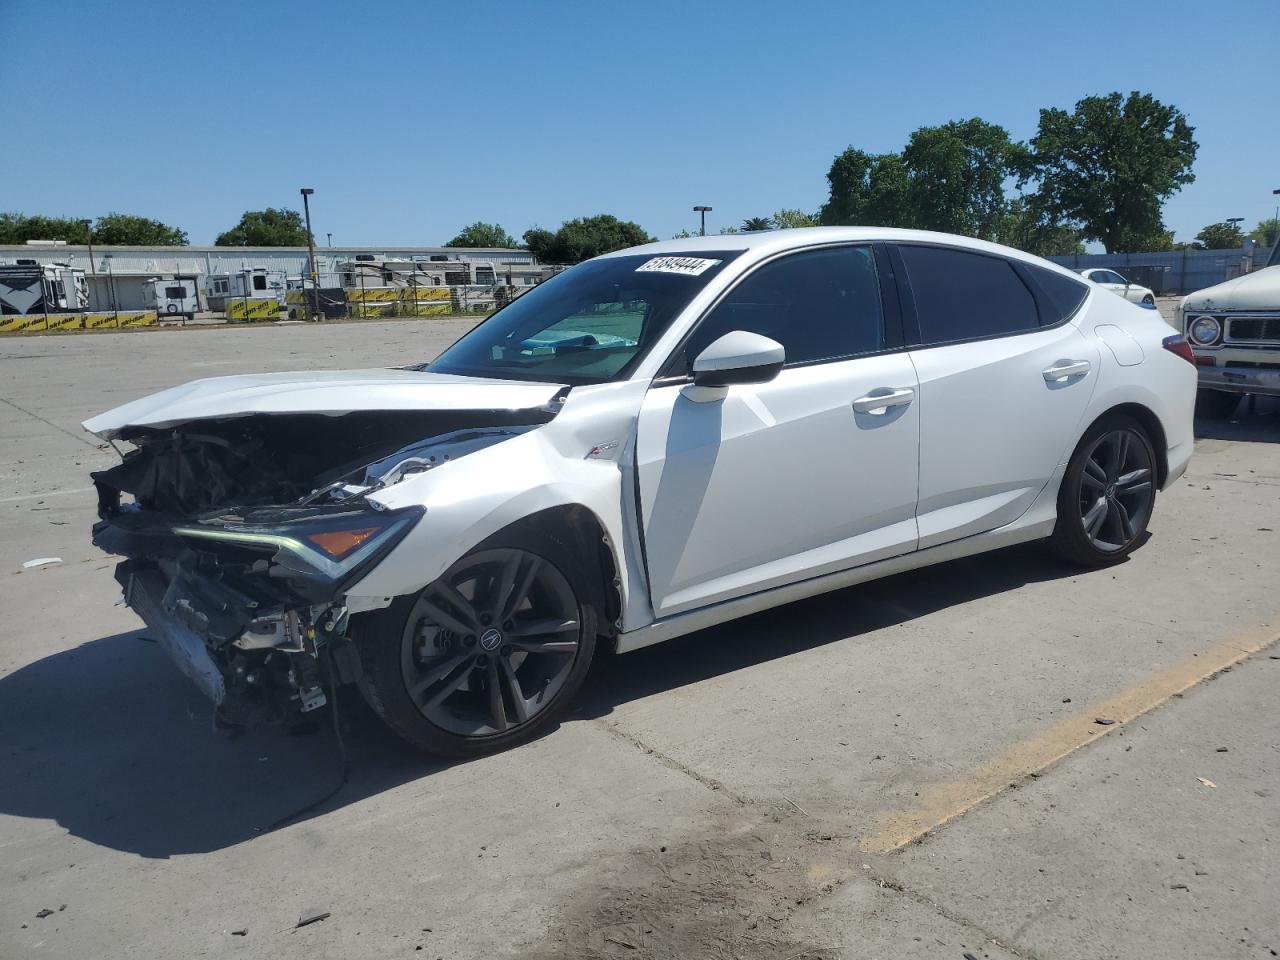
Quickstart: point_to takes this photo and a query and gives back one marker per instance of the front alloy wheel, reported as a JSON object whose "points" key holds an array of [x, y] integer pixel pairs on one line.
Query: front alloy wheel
{"points": [[1107, 494], [484, 657]]}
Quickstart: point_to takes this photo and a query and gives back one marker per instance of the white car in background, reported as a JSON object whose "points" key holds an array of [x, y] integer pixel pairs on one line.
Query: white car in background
{"points": [[653, 442], [1143, 296]]}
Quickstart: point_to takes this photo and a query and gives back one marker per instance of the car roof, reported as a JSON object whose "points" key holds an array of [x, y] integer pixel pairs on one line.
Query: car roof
{"points": [[766, 242]]}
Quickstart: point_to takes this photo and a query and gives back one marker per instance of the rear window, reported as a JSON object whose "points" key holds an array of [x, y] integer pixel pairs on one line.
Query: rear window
{"points": [[175, 293], [961, 295]]}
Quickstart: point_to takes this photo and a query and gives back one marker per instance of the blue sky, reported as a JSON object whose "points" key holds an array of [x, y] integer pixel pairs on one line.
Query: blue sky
{"points": [[412, 120]]}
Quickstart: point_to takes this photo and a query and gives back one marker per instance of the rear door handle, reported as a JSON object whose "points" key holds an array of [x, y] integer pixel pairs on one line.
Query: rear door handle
{"points": [[1065, 370], [879, 401]]}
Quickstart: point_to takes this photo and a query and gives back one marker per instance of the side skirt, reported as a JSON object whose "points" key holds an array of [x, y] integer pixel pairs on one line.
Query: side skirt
{"points": [[680, 624]]}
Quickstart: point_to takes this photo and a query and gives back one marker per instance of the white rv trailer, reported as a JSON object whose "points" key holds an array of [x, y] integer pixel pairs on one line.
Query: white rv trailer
{"points": [[29, 287], [254, 283], [177, 297]]}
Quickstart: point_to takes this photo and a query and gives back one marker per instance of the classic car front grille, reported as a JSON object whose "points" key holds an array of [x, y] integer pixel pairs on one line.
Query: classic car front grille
{"points": [[1253, 329]]}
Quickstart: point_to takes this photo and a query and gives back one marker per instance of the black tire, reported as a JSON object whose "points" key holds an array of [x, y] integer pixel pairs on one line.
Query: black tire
{"points": [[1079, 496], [1148, 301], [382, 637], [1216, 404]]}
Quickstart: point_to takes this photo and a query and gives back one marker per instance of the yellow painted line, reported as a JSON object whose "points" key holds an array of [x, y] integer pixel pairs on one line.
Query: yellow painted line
{"points": [[944, 802]]}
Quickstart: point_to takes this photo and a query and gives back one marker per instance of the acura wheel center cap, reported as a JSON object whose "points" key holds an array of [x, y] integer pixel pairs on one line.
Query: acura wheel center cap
{"points": [[490, 640]]}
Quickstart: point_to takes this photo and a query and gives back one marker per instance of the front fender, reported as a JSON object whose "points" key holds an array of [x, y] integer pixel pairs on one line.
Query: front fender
{"points": [[473, 498]]}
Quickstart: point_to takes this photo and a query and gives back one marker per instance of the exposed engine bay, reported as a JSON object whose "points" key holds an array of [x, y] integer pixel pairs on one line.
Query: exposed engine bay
{"points": [[242, 534]]}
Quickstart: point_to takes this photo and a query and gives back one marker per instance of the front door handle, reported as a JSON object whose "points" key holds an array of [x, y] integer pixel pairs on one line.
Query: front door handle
{"points": [[879, 401], [1065, 369]]}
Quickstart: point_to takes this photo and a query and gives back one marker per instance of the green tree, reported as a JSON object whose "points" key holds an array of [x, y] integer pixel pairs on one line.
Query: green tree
{"points": [[271, 227], [787, 219], [866, 189], [1220, 236], [584, 238], [482, 235], [114, 228], [539, 242], [127, 230], [956, 175], [19, 228], [1267, 232], [1026, 227], [1110, 164], [751, 224]]}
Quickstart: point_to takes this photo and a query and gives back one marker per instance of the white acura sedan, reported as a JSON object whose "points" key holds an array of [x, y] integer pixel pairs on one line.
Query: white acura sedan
{"points": [[654, 441]]}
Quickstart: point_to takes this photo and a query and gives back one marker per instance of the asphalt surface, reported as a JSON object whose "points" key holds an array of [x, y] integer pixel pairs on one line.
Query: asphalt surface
{"points": [[909, 768]]}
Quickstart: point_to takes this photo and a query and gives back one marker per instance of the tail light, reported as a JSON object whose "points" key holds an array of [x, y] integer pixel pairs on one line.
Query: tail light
{"points": [[1178, 344]]}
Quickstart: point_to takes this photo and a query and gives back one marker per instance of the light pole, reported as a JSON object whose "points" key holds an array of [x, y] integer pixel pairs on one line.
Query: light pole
{"points": [[330, 238], [311, 250], [1276, 193], [703, 211], [88, 226]]}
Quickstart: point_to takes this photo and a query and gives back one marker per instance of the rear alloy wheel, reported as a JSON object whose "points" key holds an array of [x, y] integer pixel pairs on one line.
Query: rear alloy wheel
{"points": [[1148, 300], [486, 656], [1107, 494], [1216, 404]]}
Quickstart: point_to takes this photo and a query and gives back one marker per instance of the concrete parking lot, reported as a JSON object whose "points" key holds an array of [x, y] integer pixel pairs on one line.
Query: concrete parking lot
{"points": [[999, 757]]}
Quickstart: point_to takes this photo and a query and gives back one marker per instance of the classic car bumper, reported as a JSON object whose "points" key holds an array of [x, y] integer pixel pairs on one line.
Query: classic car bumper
{"points": [[1263, 380]]}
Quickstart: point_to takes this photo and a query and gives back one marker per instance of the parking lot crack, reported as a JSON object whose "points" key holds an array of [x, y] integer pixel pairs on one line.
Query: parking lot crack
{"points": [[671, 763], [50, 423], [956, 918]]}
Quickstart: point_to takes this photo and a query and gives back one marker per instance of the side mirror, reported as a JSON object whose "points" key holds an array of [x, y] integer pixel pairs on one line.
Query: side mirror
{"points": [[738, 357]]}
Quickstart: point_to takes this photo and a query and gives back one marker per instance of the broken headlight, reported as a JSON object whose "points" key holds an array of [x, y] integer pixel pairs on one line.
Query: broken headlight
{"points": [[312, 543]]}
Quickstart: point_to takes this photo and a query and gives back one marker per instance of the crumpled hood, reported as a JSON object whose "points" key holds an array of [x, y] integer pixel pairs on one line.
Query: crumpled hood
{"points": [[1259, 290], [328, 392]]}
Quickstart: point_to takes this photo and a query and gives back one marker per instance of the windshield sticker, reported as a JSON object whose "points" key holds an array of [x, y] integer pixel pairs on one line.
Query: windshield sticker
{"points": [[689, 266]]}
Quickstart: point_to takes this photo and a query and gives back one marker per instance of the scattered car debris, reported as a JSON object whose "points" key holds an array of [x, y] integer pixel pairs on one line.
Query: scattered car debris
{"points": [[46, 912], [1179, 886], [240, 933], [1221, 750], [1207, 782], [41, 562], [311, 916], [1103, 721]]}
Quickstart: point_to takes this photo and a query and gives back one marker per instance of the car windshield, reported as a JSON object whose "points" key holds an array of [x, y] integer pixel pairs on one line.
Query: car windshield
{"points": [[587, 325]]}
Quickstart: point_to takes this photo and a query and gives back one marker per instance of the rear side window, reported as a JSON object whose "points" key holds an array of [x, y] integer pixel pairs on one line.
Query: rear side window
{"points": [[966, 296], [1062, 295], [819, 304]]}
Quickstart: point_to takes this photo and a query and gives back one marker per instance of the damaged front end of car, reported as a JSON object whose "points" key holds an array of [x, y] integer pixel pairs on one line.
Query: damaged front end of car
{"points": [[242, 536]]}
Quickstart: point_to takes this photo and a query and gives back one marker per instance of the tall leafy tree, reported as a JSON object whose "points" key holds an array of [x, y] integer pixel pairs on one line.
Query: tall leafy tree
{"points": [[1025, 226], [272, 227], [756, 223], [114, 228], [584, 238], [482, 235], [1220, 236], [1110, 164], [127, 230], [787, 219], [539, 241], [1267, 232], [956, 175], [868, 189]]}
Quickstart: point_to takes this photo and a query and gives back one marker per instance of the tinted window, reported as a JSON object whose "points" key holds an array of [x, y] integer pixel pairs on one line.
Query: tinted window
{"points": [[175, 293], [259, 282], [1062, 295], [819, 305], [964, 296]]}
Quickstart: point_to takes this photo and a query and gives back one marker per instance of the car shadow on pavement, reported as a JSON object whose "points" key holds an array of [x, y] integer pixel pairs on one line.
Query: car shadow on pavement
{"points": [[795, 627], [1256, 420], [112, 743]]}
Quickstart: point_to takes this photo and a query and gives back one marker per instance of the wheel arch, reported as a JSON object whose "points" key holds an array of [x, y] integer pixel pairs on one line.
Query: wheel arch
{"points": [[589, 539], [1149, 422]]}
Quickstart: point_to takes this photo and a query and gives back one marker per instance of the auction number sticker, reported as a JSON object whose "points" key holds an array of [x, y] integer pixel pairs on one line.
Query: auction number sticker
{"points": [[689, 266]]}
